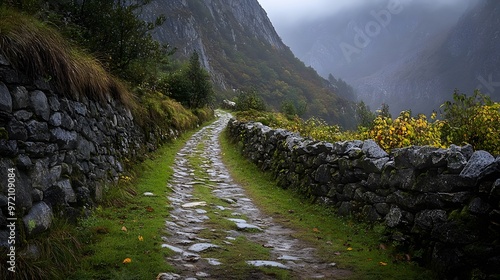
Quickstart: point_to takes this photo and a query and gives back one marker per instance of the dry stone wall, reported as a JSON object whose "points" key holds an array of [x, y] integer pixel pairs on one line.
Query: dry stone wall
{"points": [[64, 152], [440, 204]]}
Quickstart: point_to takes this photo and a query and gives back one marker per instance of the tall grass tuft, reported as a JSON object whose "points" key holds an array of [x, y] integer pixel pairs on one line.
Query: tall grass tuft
{"points": [[40, 52], [52, 255]]}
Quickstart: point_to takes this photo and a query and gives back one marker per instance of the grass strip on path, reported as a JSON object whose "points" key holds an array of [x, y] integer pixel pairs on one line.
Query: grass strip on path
{"points": [[123, 236], [233, 258], [349, 244]]}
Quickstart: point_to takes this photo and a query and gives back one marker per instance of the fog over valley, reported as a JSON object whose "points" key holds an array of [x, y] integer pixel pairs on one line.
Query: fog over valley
{"points": [[406, 53]]}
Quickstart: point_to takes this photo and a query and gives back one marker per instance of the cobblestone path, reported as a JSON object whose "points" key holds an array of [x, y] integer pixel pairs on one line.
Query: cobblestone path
{"points": [[193, 228]]}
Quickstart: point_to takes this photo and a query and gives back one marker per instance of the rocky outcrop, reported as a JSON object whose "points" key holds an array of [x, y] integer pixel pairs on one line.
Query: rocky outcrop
{"points": [[440, 204], [62, 151], [186, 24]]}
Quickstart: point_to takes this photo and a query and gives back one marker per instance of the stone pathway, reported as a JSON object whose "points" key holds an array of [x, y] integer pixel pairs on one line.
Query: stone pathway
{"points": [[189, 216]]}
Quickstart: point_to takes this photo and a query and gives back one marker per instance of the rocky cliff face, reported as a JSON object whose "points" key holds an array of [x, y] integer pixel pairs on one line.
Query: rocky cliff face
{"points": [[197, 25], [239, 46]]}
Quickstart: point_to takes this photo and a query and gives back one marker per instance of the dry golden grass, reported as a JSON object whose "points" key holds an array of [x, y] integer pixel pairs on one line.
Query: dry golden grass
{"points": [[40, 51]]}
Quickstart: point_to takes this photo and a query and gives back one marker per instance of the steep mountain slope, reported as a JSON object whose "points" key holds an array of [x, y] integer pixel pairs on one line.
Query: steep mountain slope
{"points": [[412, 56], [466, 57], [242, 51]]}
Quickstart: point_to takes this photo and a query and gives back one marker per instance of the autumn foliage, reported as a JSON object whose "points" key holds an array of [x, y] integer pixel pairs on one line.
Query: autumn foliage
{"points": [[404, 131], [471, 120]]}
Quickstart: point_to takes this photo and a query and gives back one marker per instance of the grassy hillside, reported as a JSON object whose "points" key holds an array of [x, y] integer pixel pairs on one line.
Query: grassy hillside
{"points": [[243, 54], [34, 47], [38, 50]]}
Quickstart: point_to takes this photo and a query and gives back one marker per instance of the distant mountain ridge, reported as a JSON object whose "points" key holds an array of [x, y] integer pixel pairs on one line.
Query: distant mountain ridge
{"points": [[465, 57], [239, 46], [414, 62]]}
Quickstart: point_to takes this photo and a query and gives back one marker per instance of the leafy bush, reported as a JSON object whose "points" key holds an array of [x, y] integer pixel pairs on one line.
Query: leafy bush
{"points": [[314, 128], [474, 120], [250, 101], [318, 129], [404, 131], [204, 114], [288, 108]]}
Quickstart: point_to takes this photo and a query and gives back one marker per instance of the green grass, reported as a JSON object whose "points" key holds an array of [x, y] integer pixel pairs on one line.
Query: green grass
{"points": [[58, 252], [107, 242], [38, 50], [351, 245]]}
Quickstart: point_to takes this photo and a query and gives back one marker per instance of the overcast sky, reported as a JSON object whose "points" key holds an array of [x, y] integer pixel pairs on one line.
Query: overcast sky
{"points": [[286, 13], [289, 12]]}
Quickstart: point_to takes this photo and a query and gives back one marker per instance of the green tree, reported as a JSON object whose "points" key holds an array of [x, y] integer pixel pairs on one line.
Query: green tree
{"points": [[191, 84], [289, 109], [177, 86], [364, 116], [250, 101], [200, 84], [384, 111], [109, 29]]}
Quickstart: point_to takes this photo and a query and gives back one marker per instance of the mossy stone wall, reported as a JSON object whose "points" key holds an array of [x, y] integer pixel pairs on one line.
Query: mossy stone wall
{"points": [[441, 205]]}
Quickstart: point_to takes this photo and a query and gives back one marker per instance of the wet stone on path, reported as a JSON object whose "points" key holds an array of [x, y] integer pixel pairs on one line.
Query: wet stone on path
{"points": [[189, 216]]}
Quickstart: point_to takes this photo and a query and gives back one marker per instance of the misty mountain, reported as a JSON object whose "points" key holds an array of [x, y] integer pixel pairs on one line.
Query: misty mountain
{"points": [[465, 57], [240, 48], [411, 55]]}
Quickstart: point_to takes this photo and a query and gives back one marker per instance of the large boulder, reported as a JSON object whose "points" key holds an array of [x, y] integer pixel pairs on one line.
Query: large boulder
{"points": [[477, 163], [373, 150]]}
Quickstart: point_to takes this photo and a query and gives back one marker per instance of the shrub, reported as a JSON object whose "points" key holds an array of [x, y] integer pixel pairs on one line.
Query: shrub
{"points": [[288, 108], [474, 120], [404, 131], [250, 101], [314, 128], [485, 129], [165, 112]]}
